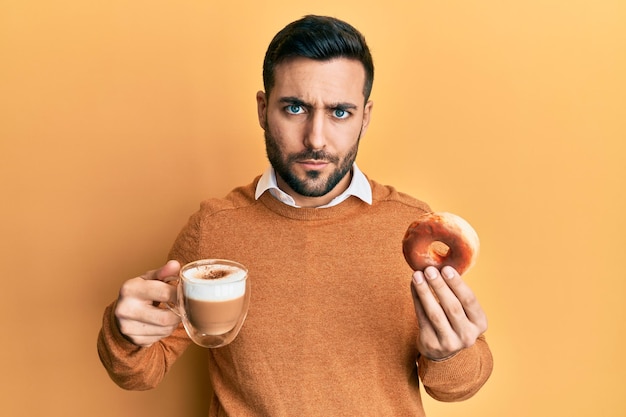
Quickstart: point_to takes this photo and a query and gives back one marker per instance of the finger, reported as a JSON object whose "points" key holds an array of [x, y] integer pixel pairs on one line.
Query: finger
{"points": [[160, 292], [167, 273], [145, 290], [466, 317], [145, 334], [466, 298], [136, 314], [432, 310], [424, 323], [448, 300], [429, 341]]}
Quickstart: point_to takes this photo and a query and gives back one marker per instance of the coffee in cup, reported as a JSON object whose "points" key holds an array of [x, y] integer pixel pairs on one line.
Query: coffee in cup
{"points": [[214, 308], [213, 298]]}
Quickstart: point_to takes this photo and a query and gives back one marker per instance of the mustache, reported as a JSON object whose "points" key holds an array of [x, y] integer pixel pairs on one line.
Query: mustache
{"points": [[314, 154]]}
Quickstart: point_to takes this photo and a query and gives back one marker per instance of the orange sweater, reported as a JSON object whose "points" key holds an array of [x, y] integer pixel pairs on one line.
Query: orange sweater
{"points": [[331, 329]]}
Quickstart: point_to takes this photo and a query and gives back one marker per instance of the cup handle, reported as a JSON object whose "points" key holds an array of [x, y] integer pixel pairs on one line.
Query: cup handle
{"points": [[173, 306]]}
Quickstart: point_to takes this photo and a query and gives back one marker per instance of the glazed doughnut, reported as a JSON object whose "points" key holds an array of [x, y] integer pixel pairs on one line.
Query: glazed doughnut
{"points": [[440, 239]]}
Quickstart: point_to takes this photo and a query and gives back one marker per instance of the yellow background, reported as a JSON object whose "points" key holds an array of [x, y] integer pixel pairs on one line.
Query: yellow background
{"points": [[118, 117]]}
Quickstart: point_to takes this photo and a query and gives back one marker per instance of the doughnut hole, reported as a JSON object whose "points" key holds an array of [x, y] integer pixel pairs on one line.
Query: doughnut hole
{"points": [[439, 249]]}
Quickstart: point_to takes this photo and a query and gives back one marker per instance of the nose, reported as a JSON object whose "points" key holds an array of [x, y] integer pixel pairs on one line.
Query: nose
{"points": [[314, 137]]}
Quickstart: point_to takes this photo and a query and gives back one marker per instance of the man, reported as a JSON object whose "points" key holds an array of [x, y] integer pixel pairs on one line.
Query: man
{"points": [[332, 328]]}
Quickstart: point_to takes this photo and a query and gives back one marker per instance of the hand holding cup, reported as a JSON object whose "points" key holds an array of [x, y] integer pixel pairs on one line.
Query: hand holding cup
{"points": [[137, 312]]}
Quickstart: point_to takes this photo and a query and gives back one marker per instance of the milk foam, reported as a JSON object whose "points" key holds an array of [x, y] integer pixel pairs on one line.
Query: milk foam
{"points": [[228, 287]]}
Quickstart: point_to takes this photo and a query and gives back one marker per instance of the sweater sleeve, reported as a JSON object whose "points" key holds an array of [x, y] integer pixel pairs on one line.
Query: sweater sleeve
{"points": [[141, 368], [134, 367], [459, 377]]}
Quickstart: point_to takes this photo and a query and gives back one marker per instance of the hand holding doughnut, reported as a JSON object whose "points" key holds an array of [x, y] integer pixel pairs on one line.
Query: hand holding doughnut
{"points": [[438, 239]]}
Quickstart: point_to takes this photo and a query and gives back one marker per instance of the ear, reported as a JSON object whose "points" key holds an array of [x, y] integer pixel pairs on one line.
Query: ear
{"points": [[261, 108], [367, 116]]}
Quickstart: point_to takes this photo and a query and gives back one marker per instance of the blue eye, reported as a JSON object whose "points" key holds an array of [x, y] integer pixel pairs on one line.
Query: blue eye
{"points": [[294, 109], [340, 113]]}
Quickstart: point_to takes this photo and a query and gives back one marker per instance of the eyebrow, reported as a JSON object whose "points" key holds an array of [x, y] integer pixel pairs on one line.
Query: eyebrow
{"points": [[299, 102]]}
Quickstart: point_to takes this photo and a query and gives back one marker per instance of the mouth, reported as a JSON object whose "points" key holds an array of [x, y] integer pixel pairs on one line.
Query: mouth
{"points": [[312, 164]]}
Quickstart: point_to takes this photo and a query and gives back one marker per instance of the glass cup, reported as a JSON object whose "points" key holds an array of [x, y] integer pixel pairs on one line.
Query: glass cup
{"points": [[213, 299]]}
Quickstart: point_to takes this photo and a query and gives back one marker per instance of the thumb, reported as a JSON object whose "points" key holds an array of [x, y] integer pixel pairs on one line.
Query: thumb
{"points": [[167, 273]]}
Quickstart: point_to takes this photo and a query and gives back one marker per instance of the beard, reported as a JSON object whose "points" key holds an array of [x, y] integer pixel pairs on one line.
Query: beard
{"points": [[314, 184]]}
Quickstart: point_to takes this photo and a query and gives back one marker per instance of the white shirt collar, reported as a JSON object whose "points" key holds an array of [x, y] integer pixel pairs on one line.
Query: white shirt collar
{"points": [[359, 187]]}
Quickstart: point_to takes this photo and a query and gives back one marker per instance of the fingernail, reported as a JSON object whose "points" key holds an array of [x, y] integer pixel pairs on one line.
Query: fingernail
{"points": [[430, 272], [448, 273], [418, 277]]}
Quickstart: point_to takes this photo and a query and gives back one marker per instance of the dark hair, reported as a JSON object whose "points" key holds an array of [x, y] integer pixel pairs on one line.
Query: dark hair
{"points": [[320, 38]]}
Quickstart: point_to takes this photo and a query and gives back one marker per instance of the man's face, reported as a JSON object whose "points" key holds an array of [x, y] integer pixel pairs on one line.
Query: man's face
{"points": [[313, 120]]}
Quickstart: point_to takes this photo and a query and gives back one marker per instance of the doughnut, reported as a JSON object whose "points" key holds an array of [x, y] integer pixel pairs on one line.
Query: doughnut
{"points": [[439, 239]]}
